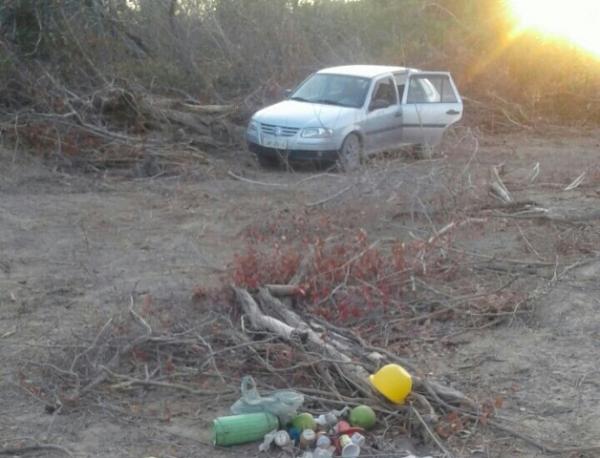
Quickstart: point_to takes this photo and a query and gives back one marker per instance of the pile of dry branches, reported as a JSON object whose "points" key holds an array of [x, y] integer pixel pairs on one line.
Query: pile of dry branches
{"points": [[266, 331], [329, 365], [207, 356], [118, 126]]}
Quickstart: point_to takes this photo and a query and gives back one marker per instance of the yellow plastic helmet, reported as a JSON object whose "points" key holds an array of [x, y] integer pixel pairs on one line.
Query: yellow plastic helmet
{"points": [[393, 382]]}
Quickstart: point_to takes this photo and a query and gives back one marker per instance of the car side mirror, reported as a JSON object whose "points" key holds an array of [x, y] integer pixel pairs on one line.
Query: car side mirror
{"points": [[287, 93], [378, 104]]}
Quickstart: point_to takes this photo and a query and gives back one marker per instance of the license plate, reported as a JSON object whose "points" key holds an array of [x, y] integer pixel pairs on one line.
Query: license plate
{"points": [[270, 141]]}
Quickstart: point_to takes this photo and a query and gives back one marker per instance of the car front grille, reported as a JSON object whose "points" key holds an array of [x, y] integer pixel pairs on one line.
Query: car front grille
{"points": [[280, 131]]}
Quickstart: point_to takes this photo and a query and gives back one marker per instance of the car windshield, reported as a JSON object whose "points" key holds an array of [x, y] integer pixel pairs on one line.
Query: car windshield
{"points": [[342, 90]]}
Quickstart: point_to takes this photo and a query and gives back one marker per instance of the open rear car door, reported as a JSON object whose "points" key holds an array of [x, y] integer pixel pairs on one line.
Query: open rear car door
{"points": [[430, 105]]}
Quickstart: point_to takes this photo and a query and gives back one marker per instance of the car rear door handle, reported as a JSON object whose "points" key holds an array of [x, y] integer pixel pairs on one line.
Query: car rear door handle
{"points": [[398, 114], [452, 112]]}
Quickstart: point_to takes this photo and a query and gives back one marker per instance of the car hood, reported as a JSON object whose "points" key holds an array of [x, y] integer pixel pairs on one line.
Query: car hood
{"points": [[292, 113]]}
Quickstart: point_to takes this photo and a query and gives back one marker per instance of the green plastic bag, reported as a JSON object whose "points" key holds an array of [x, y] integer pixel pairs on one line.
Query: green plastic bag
{"points": [[284, 404]]}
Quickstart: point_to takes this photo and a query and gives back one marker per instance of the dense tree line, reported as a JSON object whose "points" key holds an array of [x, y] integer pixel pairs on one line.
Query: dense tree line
{"points": [[222, 49]]}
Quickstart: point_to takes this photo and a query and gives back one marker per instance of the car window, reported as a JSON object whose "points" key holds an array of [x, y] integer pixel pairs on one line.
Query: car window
{"points": [[330, 89], [384, 90], [400, 80], [430, 89]]}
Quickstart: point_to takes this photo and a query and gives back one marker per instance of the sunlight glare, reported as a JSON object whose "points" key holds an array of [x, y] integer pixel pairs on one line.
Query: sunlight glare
{"points": [[577, 21]]}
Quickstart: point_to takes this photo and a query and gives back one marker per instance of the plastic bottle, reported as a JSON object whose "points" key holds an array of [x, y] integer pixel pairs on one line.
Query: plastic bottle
{"points": [[241, 429]]}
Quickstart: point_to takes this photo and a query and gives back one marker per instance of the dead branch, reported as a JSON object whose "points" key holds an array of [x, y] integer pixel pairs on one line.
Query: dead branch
{"points": [[261, 183], [189, 120], [116, 359], [431, 434], [208, 109], [545, 448], [350, 367], [354, 373], [261, 321], [535, 171], [128, 382], [329, 198], [284, 290], [575, 183], [19, 451], [497, 186]]}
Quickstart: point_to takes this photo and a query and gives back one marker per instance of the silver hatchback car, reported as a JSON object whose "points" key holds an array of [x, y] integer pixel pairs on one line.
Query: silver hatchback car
{"points": [[347, 113]]}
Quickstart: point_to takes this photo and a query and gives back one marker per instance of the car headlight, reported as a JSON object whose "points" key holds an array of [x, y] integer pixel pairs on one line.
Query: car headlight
{"points": [[252, 126], [317, 132]]}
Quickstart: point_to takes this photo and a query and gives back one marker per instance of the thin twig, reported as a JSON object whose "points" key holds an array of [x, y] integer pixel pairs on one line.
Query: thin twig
{"points": [[114, 362], [431, 433], [575, 183], [327, 199], [261, 183], [528, 243], [130, 381]]}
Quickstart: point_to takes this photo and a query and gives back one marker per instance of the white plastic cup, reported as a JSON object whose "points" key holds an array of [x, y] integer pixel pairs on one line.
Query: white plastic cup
{"points": [[351, 451], [358, 439], [323, 453]]}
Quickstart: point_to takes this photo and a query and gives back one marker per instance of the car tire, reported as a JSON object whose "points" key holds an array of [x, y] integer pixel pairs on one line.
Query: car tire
{"points": [[350, 155]]}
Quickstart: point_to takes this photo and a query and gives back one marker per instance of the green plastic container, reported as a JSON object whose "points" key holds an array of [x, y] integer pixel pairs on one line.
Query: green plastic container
{"points": [[241, 429]]}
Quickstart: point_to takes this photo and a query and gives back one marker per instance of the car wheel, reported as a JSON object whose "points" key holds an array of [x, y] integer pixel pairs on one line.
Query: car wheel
{"points": [[350, 155]]}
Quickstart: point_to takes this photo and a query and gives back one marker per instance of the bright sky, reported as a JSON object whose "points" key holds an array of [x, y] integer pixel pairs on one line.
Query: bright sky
{"points": [[577, 21]]}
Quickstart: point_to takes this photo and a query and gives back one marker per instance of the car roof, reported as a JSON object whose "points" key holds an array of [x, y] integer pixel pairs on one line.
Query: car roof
{"points": [[366, 71]]}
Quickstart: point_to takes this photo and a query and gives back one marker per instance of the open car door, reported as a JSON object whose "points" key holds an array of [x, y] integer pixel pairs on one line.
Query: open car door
{"points": [[430, 105]]}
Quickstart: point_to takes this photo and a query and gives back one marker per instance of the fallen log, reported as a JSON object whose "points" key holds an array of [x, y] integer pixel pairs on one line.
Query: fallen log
{"points": [[294, 325], [261, 321]]}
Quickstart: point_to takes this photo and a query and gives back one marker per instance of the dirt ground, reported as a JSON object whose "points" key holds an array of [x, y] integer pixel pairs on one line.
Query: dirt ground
{"points": [[75, 248]]}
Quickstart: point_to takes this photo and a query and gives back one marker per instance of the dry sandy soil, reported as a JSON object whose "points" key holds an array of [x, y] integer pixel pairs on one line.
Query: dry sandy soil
{"points": [[75, 248]]}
